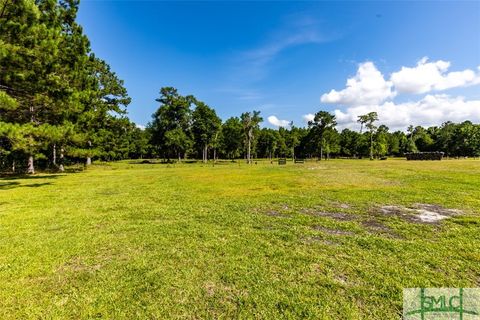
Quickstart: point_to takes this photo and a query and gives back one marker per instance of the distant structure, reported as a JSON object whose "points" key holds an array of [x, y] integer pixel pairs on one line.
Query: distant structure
{"points": [[424, 155]]}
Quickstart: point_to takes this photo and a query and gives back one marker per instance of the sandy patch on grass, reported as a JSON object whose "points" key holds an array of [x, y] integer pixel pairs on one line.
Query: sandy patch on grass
{"points": [[343, 205], [421, 212]]}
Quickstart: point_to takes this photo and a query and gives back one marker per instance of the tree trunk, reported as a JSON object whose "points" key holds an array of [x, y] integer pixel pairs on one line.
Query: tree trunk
{"points": [[214, 155], [89, 159], [13, 166], [54, 160], [321, 153], [31, 167], [371, 145], [61, 168], [205, 154], [248, 151]]}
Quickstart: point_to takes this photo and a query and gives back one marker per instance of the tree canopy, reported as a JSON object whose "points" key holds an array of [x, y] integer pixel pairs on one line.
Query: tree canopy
{"points": [[57, 99]]}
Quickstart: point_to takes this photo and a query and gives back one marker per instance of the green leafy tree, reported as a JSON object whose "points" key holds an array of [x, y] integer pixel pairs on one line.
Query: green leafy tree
{"points": [[268, 142], [282, 149], [397, 143], [250, 122], [381, 144], [231, 140], [205, 127], [422, 139], [46, 66], [293, 139], [411, 146], [369, 120], [172, 118], [322, 126], [349, 141]]}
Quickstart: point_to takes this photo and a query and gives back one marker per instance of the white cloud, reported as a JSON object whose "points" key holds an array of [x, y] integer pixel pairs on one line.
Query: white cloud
{"points": [[369, 91], [429, 111], [308, 117], [267, 52], [273, 120], [432, 76], [367, 87], [140, 126]]}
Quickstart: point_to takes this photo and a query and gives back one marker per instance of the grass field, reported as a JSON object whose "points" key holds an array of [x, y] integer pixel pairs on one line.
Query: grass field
{"points": [[313, 240]]}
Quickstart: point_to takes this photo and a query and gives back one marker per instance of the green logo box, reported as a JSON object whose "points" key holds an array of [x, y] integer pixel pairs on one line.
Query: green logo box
{"points": [[441, 303]]}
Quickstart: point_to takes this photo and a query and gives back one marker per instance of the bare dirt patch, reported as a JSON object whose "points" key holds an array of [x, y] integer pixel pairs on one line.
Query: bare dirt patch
{"points": [[277, 210], [376, 227], [393, 210], [438, 209], [341, 205], [341, 279], [274, 213], [334, 215], [420, 213], [316, 239], [336, 232]]}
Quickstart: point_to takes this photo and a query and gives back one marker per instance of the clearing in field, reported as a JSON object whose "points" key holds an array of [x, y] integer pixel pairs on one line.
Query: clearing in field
{"points": [[335, 239]]}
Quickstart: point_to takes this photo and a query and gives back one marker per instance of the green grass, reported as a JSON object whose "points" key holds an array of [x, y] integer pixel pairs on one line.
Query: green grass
{"points": [[124, 240]]}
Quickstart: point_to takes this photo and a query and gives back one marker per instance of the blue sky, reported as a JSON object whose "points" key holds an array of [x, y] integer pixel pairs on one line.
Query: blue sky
{"points": [[281, 57]]}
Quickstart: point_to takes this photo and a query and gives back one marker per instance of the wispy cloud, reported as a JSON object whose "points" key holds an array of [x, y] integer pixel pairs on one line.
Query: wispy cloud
{"points": [[297, 30], [248, 67], [241, 94]]}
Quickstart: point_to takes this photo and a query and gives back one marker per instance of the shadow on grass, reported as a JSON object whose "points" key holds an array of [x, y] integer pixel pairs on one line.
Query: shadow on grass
{"points": [[9, 181], [29, 177], [159, 162], [181, 162], [8, 185], [15, 184], [74, 170]]}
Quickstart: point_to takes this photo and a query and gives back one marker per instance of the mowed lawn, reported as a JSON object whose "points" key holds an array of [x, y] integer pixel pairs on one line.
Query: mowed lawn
{"points": [[193, 241]]}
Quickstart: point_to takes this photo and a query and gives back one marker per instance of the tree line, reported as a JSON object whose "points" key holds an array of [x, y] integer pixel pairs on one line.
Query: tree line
{"points": [[184, 127]]}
